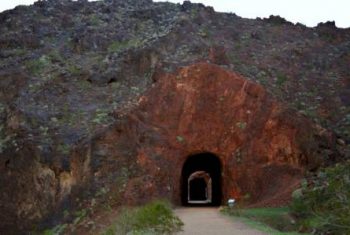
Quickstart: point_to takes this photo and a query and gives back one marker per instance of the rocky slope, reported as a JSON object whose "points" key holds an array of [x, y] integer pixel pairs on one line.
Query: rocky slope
{"points": [[75, 76]]}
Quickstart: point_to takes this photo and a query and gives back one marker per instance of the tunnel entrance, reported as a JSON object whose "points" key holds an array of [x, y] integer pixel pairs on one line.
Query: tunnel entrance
{"points": [[199, 188], [201, 180]]}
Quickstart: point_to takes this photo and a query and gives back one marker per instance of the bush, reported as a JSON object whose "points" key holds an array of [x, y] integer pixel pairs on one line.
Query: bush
{"points": [[37, 66], [322, 205], [154, 218], [118, 46], [270, 220]]}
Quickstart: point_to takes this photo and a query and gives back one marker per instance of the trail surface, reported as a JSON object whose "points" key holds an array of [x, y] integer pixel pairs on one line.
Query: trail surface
{"points": [[209, 221]]}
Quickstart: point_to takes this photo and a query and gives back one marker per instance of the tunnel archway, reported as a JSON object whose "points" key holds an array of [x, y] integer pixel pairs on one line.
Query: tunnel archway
{"points": [[201, 180], [199, 185]]}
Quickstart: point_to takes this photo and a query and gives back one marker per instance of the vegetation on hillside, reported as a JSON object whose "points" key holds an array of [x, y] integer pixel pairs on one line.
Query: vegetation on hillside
{"points": [[275, 221], [322, 205]]}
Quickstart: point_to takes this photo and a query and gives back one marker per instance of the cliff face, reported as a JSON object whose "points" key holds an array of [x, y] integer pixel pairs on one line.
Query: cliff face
{"points": [[104, 101], [205, 109], [263, 148]]}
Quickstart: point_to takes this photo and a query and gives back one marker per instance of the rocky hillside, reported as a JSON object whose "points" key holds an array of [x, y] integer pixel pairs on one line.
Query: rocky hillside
{"points": [[76, 61], [71, 70]]}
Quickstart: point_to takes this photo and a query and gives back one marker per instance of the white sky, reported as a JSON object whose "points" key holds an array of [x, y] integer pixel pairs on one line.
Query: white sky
{"points": [[308, 12]]}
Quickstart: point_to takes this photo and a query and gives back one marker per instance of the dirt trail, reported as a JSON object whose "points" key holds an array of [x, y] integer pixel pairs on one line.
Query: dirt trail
{"points": [[209, 221]]}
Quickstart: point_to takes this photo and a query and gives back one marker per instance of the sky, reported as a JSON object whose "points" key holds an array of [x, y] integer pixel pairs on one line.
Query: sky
{"points": [[307, 12]]}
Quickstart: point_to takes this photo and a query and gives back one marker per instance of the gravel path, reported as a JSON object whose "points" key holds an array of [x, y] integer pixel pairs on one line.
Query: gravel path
{"points": [[209, 221]]}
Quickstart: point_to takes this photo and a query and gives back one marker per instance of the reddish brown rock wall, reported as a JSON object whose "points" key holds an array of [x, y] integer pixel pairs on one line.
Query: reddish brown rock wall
{"points": [[203, 108]]}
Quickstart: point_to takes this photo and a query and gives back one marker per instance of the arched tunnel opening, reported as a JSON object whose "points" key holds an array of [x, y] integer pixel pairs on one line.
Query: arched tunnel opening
{"points": [[201, 180]]}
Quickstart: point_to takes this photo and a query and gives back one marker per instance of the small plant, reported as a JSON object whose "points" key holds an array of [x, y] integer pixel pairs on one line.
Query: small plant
{"points": [[274, 221], [2, 108], [102, 191], [194, 13], [180, 138], [59, 229], [4, 139], [241, 125], [281, 79], [19, 52], [238, 156], [204, 32], [119, 46], [55, 56], [153, 218], [95, 20], [101, 117], [63, 148], [36, 67], [44, 130], [74, 70], [79, 216]]}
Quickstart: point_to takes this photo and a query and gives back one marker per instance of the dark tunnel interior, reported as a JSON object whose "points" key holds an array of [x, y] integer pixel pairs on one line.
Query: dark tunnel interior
{"points": [[197, 191]]}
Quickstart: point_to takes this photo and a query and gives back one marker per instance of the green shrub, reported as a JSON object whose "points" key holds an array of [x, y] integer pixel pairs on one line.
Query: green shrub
{"points": [[180, 139], [59, 229], [95, 20], [101, 117], [118, 46], [4, 139], [323, 203], [154, 218], [73, 70], [276, 221], [37, 66], [55, 56], [281, 79], [241, 125]]}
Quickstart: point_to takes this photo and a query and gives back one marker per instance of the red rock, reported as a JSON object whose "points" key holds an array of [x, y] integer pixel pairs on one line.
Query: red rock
{"points": [[262, 146]]}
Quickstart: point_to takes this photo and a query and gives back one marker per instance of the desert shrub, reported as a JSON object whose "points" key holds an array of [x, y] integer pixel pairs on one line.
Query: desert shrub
{"points": [[322, 205], [4, 139], [37, 66], [118, 46], [281, 79], [153, 218], [270, 220]]}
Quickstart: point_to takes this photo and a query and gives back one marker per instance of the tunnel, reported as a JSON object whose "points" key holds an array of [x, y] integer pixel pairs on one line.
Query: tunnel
{"points": [[201, 180]]}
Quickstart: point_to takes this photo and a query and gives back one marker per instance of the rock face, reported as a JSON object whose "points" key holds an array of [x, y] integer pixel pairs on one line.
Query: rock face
{"points": [[205, 109], [263, 149], [105, 102]]}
